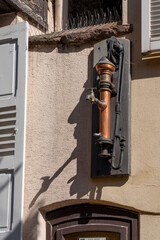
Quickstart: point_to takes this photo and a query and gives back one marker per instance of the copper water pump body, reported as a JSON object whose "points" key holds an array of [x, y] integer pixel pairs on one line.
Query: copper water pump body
{"points": [[105, 69]]}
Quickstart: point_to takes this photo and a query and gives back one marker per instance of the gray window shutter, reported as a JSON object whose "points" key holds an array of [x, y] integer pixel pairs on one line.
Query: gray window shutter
{"points": [[150, 25], [13, 76]]}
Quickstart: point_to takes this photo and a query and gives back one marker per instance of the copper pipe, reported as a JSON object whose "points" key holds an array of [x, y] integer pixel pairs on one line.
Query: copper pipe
{"points": [[105, 69], [105, 115]]}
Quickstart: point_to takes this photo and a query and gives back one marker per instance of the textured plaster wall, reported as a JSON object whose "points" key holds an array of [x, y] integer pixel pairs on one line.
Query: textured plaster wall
{"points": [[58, 135], [58, 123], [149, 227]]}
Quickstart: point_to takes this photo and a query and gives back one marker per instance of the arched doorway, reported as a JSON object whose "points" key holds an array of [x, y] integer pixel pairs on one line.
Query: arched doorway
{"points": [[84, 220]]}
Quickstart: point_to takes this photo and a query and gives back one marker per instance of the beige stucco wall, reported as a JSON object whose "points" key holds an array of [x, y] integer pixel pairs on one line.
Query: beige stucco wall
{"points": [[59, 132], [149, 227], [58, 136]]}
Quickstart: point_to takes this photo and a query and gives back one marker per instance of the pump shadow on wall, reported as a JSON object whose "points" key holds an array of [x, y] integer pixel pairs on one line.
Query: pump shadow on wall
{"points": [[79, 183], [110, 150], [81, 117]]}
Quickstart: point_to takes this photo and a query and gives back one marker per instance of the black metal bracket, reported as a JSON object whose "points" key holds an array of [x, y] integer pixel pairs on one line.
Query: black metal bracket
{"points": [[118, 52], [116, 55]]}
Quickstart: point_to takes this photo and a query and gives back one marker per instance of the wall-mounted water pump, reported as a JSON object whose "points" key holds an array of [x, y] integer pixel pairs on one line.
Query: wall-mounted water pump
{"points": [[111, 144]]}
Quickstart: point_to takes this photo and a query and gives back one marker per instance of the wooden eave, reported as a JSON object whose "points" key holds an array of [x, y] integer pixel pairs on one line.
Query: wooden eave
{"points": [[90, 34]]}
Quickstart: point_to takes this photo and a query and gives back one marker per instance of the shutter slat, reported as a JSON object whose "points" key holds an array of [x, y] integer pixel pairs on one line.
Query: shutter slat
{"points": [[155, 6], [155, 35], [8, 141], [6, 150], [155, 23], [156, 1], [7, 123], [8, 153], [155, 14], [155, 31], [9, 146], [5, 127], [8, 115], [7, 130], [7, 120], [7, 138], [155, 27]]}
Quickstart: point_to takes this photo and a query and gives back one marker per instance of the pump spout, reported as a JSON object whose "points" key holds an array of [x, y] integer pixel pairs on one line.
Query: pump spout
{"points": [[102, 105]]}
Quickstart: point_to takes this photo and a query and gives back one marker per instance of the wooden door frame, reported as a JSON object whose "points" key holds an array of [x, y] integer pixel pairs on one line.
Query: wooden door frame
{"points": [[84, 217]]}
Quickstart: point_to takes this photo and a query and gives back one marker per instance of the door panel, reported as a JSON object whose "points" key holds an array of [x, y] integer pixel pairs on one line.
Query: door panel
{"points": [[6, 189], [93, 236], [7, 68]]}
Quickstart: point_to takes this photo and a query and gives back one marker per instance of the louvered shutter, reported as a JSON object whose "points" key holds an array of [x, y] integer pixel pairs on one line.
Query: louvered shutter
{"points": [[13, 70], [150, 25]]}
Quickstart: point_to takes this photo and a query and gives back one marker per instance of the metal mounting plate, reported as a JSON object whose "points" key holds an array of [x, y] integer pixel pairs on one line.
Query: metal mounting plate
{"points": [[101, 167]]}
